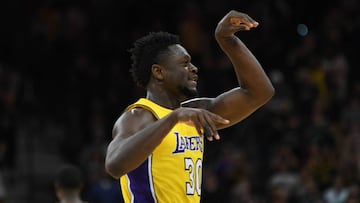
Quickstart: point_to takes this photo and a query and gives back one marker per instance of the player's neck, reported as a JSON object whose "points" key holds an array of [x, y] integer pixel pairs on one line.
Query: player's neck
{"points": [[164, 99]]}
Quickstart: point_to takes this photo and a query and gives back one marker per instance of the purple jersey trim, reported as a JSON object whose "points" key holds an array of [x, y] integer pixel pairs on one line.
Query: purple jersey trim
{"points": [[140, 185]]}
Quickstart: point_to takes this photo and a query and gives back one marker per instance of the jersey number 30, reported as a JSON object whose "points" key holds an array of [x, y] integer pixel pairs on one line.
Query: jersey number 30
{"points": [[194, 182]]}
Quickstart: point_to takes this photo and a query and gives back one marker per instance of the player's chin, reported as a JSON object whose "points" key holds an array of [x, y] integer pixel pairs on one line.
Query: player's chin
{"points": [[193, 92], [192, 85], [190, 92]]}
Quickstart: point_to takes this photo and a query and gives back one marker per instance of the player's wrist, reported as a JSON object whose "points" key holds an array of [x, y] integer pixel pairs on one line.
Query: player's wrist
{"points": [[174, 117]]}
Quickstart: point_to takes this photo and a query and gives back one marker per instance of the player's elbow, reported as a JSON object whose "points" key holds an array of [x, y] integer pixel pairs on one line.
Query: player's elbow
{"points": [[114, 169], [114, 162], [264, 96], [270, 92]]}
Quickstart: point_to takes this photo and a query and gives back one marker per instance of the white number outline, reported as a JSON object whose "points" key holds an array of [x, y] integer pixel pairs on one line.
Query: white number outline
{"points": [[195, 176]]}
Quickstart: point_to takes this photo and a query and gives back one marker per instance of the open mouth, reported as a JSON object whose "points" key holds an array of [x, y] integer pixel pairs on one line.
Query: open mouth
{"points": [[194, 78]]}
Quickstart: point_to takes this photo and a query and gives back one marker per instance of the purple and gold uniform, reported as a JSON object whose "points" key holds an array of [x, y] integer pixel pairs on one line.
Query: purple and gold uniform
{"points": [[172, 172]]}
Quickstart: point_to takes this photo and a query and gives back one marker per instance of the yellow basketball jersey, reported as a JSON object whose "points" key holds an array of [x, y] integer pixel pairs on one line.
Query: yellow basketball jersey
{"points": [[172, 173]]}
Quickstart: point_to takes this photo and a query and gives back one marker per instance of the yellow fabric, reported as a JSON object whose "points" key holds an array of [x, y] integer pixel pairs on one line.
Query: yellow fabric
{"points": [[176, 164]]}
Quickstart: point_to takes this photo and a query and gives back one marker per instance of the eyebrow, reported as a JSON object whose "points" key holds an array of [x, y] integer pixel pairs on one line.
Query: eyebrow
{"points": [[184, 56]]}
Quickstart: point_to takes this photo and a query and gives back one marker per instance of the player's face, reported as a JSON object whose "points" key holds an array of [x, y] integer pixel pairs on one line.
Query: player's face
{"points": [[181, 75]]}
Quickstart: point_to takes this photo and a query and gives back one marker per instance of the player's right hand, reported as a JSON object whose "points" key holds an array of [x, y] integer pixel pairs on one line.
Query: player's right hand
{"points": [[234, 21], [203, 120]]}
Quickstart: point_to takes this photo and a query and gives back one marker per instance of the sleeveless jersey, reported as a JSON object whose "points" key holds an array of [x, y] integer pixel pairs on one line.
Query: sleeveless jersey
{"points": [[172, 173]]}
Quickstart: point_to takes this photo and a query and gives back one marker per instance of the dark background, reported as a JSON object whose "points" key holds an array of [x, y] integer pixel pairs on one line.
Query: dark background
{"points": [[64, 80]]}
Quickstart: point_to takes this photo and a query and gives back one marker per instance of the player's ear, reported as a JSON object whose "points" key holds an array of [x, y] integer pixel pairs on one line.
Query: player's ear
{"points": [[157, 72]]}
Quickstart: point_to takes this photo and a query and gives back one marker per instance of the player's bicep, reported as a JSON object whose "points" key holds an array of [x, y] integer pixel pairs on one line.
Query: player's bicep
{"points": [[131, 122], [234, 105]]}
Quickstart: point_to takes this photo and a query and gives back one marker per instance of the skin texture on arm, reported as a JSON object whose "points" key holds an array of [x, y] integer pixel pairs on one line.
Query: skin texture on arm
{"points": [[137, 133], [255, 88], [135, 136]]}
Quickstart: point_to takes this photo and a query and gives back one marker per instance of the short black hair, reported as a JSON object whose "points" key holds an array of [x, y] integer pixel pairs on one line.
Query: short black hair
{"points": [[146, 52], [69, 177]]}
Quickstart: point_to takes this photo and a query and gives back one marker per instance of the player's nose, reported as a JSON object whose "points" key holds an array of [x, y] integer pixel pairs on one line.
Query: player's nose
{"points": [[193, 68]]}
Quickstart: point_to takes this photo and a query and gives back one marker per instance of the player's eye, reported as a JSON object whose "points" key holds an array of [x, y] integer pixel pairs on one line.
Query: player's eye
{"points": [[186, 63]]}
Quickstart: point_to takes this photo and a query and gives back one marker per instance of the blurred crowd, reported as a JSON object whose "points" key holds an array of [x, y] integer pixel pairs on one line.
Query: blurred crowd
{"points": [[64, 80]]}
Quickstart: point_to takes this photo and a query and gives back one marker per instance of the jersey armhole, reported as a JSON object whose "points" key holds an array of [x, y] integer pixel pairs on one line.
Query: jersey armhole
{"points": [[143, 107]]}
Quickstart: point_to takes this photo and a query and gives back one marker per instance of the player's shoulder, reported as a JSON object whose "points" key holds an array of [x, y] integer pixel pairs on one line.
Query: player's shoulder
{"points": [[133, 120], [137, 115], [136, 112], [202, 102]]}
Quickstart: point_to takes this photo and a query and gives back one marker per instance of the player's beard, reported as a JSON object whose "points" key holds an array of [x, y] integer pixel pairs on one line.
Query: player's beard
{"points": [[189, 93]]}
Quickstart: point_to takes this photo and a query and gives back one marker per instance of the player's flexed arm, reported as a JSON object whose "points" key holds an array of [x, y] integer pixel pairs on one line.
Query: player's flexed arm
{"points": [[255, 88]]}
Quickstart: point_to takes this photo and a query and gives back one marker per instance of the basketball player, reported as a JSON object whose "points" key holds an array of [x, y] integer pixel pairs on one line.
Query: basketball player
{"points": [[158, 142]]}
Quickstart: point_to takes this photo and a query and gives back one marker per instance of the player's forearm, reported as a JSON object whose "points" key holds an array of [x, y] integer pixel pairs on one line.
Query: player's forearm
{"points": [[249, 72], [125, 154]]}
